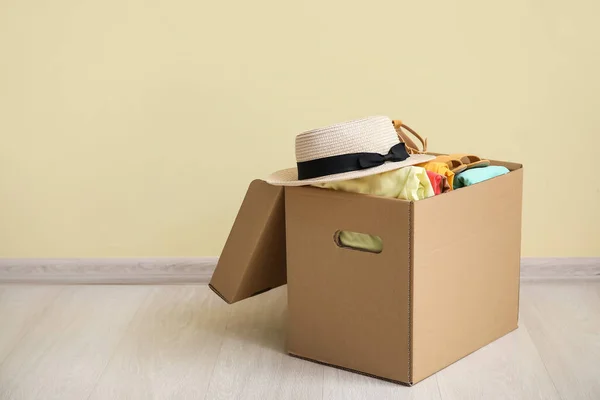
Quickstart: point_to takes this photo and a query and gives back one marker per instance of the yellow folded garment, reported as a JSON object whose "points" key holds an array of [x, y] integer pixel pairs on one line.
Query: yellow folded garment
{"points": [[408, 183], [361, 241], [440, 168]]}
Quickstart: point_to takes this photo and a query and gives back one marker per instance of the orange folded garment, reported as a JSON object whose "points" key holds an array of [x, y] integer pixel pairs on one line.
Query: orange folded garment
{"points": [[438, 182], [442, 169]]}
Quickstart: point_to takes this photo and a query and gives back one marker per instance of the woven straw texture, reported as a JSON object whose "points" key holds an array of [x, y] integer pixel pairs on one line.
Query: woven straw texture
{"points": [[371, 135]]}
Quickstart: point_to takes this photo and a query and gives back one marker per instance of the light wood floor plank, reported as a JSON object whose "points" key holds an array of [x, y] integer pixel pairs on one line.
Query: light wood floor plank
{"points": [[253, 363], [345, 385], [63, 355], [20, 308], [509, 368], [142, 342], [170, 349], [564, 321]]}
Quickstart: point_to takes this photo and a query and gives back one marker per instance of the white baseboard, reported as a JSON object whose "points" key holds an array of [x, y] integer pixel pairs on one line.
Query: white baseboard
{"points": [[198, 270], [560, 268]]}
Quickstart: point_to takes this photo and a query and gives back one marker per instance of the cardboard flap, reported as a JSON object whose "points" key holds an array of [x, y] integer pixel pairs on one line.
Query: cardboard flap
{"points": [[253, 259]]}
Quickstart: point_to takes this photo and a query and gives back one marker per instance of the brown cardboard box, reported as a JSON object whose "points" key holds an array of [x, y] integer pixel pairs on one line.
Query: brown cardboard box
{"points": [[445, 284]]}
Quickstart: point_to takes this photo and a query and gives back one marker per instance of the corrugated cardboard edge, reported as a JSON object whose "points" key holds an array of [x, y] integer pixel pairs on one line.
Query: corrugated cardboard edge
{"points": [[219, 294], [522, 177], [410, 289], [350, 370]]}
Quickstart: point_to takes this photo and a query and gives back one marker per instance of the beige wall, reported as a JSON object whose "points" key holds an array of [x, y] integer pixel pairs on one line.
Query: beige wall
{"points": [[132, 128]]}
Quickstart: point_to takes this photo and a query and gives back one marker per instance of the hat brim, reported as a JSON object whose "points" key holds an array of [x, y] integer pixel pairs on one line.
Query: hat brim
{"points": [[289, 177]]}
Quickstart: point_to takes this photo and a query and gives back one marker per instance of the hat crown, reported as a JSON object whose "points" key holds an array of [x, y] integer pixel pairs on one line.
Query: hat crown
{"points": [[367, 135]]}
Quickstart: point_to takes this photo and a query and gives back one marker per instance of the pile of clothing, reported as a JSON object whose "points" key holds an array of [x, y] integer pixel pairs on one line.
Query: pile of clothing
{"points": [[347, 157], [443, 174]]}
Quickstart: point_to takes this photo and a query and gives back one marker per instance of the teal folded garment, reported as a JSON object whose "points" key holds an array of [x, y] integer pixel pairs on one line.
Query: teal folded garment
{"points": [[476, 175]]}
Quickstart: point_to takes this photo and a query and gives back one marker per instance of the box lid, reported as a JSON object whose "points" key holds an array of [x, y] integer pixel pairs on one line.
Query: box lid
{"points": [[253, 259]]}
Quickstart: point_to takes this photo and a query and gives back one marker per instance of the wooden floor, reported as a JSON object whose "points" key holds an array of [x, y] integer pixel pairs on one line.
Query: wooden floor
{"points": [[184, 342]]}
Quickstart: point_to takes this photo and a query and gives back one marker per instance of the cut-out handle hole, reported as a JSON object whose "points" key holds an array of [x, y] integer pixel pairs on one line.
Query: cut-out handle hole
{"points": [[358, 241]]}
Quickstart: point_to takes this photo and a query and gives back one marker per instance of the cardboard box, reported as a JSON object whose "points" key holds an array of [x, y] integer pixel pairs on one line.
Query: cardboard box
{"points": [[445, 284]]}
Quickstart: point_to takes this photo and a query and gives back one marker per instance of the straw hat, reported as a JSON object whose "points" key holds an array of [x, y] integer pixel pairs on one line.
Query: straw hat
{"points": [[348, 150]]}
